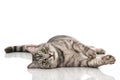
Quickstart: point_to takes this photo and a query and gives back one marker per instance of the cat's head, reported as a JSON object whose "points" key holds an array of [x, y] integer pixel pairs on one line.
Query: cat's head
{"points": [[42, 56]]}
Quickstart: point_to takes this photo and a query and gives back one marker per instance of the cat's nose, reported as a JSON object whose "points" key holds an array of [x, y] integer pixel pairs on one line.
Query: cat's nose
{"points": [[50, 55]]}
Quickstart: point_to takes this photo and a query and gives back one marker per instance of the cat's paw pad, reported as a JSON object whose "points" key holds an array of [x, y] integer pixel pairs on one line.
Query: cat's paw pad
{"points": [[8, 49], [100, 51], [108, 59]]}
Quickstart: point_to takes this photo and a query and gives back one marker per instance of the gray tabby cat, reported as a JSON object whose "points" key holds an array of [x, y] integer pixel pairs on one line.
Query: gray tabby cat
{"points": [[63, 51]]}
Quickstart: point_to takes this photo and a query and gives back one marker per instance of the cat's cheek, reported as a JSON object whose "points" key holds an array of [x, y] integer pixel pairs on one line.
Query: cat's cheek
{"points": [[51, 61], [33, 65]]}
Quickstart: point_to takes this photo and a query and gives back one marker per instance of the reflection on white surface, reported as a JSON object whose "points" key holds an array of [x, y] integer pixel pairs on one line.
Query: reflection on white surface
{"points": [[19, 55], [69, 74], [63, 73]]}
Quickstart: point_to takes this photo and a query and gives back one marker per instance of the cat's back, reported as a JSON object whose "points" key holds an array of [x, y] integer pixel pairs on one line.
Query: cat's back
{"points": [[63, 42], [61, 37]]}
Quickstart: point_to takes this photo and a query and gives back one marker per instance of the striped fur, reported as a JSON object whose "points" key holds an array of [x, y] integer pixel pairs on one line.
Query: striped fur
{"points": [[63, 51], [15, 49]]}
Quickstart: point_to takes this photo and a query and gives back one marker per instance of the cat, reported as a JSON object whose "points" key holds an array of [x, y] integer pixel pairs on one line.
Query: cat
{"points": [[63, 51]]}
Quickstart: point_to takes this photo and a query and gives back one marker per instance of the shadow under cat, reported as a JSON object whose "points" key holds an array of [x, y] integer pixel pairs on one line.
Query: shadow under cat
{"points": [[63, 73]]}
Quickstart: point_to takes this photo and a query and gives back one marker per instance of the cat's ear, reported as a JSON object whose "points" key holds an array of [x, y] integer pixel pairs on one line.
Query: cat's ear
{"points": [[32, 48], [33, 65]]}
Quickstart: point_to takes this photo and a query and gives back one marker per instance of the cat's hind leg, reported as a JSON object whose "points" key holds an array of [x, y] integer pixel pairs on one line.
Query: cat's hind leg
{"points": [[87, 51], [96, 62]]}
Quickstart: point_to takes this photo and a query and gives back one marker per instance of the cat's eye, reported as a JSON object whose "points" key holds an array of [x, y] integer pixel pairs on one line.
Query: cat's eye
{"points": [[43, 50], [44, 61]]}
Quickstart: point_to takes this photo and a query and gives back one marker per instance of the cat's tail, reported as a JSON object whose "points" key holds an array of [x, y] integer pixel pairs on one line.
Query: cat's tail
{"points": [[11, 49]]}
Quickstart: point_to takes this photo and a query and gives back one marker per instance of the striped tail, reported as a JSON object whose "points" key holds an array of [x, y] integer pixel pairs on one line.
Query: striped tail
{"points": [[11, 49]]}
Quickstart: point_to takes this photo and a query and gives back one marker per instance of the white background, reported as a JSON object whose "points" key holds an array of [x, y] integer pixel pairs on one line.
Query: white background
{"points": [[93, 22]]}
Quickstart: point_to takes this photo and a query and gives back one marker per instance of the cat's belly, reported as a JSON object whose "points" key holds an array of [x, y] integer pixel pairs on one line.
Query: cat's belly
{"points": [[72, 59]]}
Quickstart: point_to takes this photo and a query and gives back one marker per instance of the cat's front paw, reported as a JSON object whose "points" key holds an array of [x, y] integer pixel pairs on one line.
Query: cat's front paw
{"points": [[108, 59]]}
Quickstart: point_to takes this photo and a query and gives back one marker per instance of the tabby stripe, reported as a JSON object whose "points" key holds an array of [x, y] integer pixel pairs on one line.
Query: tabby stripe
{"points": [[67, 62], [61, 57], [73, 46], [84, 63], [86, 48], [21, 49], [15, 48], [93, 65], [79, 63], [87, 63], [66, 44], [70, 61]]}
